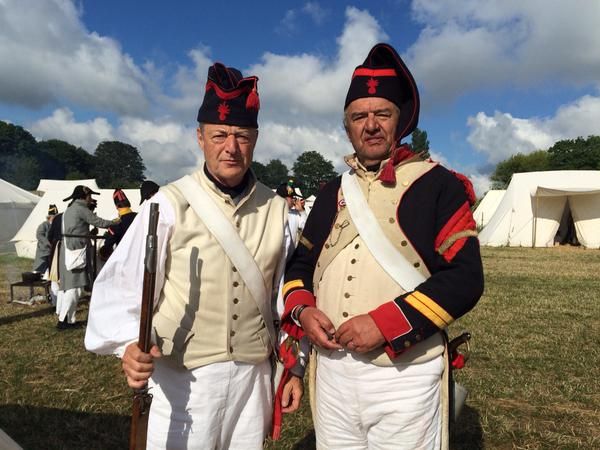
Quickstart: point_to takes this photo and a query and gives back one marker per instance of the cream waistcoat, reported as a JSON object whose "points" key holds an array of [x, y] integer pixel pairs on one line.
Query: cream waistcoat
{"points": [[348, 280], [205, 314]]}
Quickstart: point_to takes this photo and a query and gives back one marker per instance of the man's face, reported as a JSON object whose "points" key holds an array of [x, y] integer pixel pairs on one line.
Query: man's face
{"points": [[371, 124], [227, 151]]}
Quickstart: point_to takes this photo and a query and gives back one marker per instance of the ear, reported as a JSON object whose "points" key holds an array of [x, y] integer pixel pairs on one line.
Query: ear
{"points": [[200, 137]]}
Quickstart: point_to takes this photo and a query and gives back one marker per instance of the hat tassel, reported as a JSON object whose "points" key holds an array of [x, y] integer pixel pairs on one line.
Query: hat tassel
{"points": [[253, 102]]}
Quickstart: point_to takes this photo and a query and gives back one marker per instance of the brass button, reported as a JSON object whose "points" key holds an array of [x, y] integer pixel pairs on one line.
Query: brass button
{"points": [[234, 317], [352, 261], [350, 277], [234, 269], [347, 295], [418, 337], [236, 284], [337, 225], [232, 333], [230, 349], [417, 264], [403, 243], [391, 220], [407, 344], [326, 245], [236, 300], [345, 314]]}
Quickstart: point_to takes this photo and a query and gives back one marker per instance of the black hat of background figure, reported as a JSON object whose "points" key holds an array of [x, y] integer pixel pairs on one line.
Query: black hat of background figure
{"points": [[148, 189], [384, 74], [80, 192], [52, 210], [229, 98]]}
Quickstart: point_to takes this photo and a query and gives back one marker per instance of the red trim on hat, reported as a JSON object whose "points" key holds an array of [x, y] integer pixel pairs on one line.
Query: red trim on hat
{"points": [[364, 72], [222, 94]]}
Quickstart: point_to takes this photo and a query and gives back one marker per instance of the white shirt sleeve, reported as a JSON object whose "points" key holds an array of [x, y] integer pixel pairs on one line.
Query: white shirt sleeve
{"points": [[115, 306]]}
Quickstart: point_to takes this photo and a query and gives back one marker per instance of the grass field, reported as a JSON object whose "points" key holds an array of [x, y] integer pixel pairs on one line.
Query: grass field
{"points": [[533, 375]]}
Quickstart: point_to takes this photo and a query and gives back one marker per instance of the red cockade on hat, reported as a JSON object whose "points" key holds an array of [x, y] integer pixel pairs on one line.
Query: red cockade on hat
{"points": [[223, 110], [372, 85]]}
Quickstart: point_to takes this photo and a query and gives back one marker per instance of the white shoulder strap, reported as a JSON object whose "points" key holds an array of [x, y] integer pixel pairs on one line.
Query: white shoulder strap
{"points": [[229, 239], [384, 252]]}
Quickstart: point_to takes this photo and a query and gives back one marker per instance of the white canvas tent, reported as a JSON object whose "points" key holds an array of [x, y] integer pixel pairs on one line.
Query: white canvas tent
{"points": [[15, 206], [24, 239], [487, 206], [47, 185], [536, 203]]}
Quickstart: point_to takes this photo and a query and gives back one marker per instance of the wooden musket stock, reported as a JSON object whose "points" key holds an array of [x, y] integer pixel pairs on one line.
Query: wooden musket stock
{"points": [[142, 399]]}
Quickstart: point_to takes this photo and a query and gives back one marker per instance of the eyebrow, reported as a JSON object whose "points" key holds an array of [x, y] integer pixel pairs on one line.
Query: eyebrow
{"points": [[377, 111]]}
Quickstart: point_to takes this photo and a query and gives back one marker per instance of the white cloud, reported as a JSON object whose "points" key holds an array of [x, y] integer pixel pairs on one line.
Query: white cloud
{"points": [[502, 135], [477, 44], [62, 125], [168, 149], [49, 57], [311, 90], [315, 11]]}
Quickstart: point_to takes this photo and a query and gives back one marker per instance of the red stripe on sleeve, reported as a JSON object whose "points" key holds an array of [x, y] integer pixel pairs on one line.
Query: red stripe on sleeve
{"points": [[461, 220]]}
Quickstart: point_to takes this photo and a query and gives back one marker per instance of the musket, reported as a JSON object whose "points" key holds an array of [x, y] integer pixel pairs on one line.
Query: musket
{"points": [[142, 399]]}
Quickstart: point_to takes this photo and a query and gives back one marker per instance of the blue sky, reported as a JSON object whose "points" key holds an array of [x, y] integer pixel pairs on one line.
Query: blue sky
{"points": [[496, 78]]}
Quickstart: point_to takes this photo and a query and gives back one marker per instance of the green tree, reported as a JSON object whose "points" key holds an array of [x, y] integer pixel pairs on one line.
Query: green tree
{"points": [[118, 165], [532, 162], [575, 154], [18, 156], [275, 173], [75, 163], [420, 143], [259, 170], [309, 169]]}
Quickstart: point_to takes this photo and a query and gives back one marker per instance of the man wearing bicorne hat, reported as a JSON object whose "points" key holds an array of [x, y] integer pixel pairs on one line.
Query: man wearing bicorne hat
{"points": [[221, 253], [115, 232], [76, 220], [43, 249], [387, 260]]}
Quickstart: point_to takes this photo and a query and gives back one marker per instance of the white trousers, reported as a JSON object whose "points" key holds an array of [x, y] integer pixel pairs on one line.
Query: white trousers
{"points": [[363, 406], [226, 405], [66, 304], [53, 292]]}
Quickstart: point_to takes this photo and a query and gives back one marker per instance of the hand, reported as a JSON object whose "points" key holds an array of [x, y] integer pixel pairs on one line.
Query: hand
{"points": [[299, 204], [359, 334], [292, 394], [138, 366], [318, 328]]}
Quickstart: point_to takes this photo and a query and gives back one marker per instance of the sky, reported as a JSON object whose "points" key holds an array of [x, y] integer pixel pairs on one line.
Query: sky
{"points": [[495, 78]]}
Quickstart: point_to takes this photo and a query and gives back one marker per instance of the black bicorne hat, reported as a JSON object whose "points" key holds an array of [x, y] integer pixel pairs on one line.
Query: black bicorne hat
{"points": [[229, 98], [384, 74], [80, 192], [147, 190]]}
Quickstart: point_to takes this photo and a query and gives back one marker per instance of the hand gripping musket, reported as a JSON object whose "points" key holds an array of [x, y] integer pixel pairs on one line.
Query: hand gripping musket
{"points": [[142, 399]]}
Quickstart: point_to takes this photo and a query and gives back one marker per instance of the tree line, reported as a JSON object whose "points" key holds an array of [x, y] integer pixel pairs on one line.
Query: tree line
{"points": [[569, 154], [24, 161]]}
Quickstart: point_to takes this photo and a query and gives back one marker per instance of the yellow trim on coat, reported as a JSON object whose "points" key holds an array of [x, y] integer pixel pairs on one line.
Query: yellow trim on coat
{"points": [[437, 309], [291, 285]]}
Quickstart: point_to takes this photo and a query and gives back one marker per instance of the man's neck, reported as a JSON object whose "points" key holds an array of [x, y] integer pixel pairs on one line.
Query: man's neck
{"points": [[232, 191]]}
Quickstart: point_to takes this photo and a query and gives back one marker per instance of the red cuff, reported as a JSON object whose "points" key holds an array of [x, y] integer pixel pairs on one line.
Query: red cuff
{"points": [[297, 298], [391, 321]]}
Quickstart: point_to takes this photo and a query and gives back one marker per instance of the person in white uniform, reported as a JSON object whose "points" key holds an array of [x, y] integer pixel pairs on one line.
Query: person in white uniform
{"points": [[210, 370]]}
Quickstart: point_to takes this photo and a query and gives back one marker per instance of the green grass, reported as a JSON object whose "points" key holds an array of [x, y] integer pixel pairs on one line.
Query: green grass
{"points": [[532, 376]]}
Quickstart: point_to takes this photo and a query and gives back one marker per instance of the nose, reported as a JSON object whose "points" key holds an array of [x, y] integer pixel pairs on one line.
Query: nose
{"points": [[371, 124], [231, 144]]}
